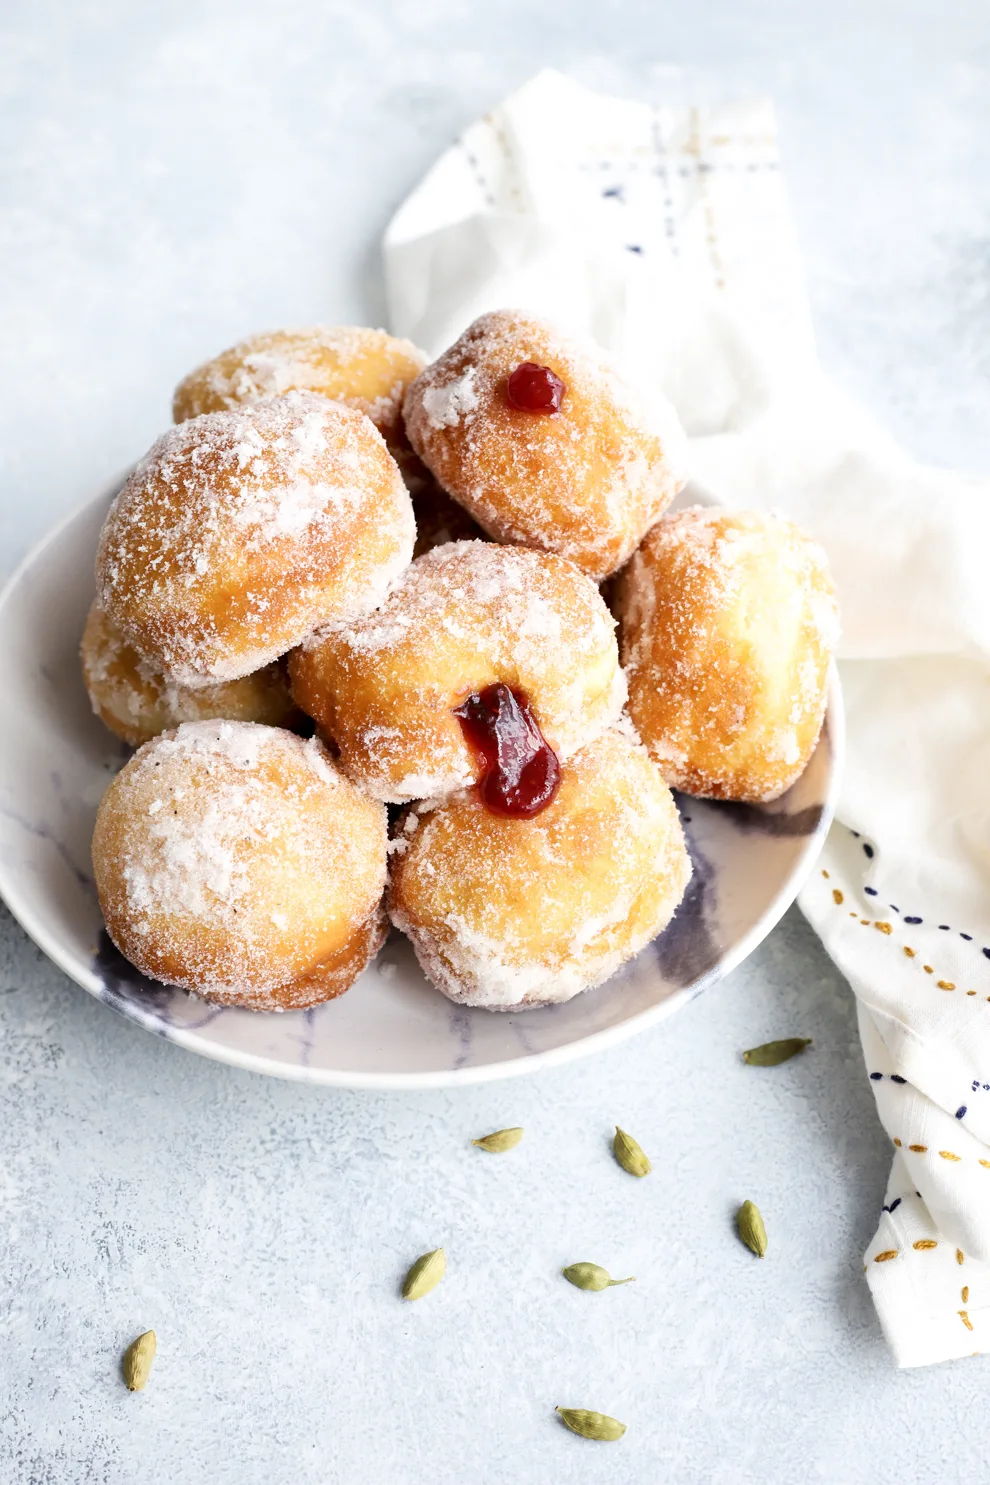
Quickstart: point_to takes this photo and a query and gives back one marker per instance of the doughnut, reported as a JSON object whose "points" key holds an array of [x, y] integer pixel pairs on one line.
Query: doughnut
{"points": [[510, 914], [236, 861], [134, 699], [465, 616], [438, 518], [728, 622], [241, 532], [367, 369], [539, 437]]}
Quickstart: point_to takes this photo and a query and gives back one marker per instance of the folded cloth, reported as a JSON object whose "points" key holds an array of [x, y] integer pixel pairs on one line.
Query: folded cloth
{"points": [[663, 232]]}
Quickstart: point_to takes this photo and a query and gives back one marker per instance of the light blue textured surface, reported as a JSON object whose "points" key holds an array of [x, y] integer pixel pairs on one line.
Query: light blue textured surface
{"points": [[170, 177]]}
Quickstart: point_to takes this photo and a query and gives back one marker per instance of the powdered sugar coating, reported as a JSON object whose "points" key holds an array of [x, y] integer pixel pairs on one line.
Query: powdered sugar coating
{"points": [[512, 914], [586, 482], [137, 701], [368, 370], [235, 860], [243, 531], [463, 616], [728, 623]]}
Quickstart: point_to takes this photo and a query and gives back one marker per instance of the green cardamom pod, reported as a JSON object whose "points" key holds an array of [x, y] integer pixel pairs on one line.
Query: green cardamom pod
{"points": [[502, 1139], [591, 1276], [137, 1360], [592, 1425], [751, 1229], [629, 1154], [425, 1274], [773, 1053]]}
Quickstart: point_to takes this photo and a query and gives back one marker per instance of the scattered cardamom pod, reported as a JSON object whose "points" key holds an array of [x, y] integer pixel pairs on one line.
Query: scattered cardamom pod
{"points": [[592, 1425], [591, 1276], [629, 1154], [137, 1360], [502, 1139], [751, 1229], [425, 1274], [773, 1053]]}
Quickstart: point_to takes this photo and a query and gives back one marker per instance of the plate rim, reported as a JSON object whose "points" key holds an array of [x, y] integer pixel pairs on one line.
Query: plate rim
{"points": [[529, 1062]]}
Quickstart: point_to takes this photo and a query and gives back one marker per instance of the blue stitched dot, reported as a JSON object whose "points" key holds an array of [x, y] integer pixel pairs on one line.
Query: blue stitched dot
{"points": [[914, 920], [615, 191], [876, 1077], [987, 953], [634, 248], [870, 891], [856, 834], [944, 927], [894, 1205], [918, 1195], [961, 1111], [896, 1078], [894, 908], [967, 936], [868, 849]]}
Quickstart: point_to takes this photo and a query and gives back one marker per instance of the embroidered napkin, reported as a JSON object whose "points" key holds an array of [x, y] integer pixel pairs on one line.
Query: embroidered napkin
{"points": [[664, 233]]}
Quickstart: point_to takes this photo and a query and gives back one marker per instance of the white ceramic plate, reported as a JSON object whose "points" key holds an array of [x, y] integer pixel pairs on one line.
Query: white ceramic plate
{"points": [[392, 1030]]}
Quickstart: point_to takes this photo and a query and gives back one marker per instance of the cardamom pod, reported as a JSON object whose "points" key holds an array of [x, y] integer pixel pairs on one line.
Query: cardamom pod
{"points": [[425, 1274], [770, 1054], [751, 1229], [591, 1276], [502, 1139], [629, 1154], [592, 1425], [137, 1360]]}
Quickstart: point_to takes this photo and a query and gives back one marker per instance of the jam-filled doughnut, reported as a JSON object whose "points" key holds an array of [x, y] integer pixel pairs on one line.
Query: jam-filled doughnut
{"points": [[241, 532], [728, 622], [136, 701], [464, 617], [367, 369], [509, 914], [541, 439], [236, 861]]}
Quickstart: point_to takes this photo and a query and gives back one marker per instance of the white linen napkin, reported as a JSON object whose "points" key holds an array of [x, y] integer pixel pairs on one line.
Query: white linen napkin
{"points": [[664, 233]]}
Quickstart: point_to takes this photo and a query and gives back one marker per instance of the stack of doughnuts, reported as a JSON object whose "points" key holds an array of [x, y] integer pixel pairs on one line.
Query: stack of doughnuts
{"points": [[346, 580]]}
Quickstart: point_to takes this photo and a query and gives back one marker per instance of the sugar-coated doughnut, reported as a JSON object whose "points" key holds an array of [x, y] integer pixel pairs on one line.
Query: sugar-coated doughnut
{"points": [[509, 914], [463, 617], [367, 369], [728, 622], [136, 701], [586, 481], [236, 861], [438, 518], [241, 532]]}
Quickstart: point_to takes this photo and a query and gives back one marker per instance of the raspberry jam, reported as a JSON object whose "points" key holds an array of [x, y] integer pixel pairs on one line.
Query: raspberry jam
{"points": [[536, 389], [521, 770]]}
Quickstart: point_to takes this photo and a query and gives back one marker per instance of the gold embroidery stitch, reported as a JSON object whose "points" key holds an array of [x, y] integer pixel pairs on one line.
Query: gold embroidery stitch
{"points": [[837, 897], [924, 1243], [909, 952], [948, 1155], [960, 1256], [945, 984], [884, 927], [887, 1253], [965, 1319], [918, 1149], [965, 1294]]}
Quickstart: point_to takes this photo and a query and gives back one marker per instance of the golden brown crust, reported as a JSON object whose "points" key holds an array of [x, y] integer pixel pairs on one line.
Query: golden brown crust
{"points": [[728, 623], [508, 914], [136, 701], [241, 532], [236, 861], [586, 482], [465, 615], [367, 369]]}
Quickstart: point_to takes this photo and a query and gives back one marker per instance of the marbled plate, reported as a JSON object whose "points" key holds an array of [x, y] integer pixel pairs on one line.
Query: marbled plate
{"points": [[392, 1030]]}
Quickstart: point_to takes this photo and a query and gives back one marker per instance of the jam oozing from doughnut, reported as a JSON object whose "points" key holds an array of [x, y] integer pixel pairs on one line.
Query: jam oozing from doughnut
{"points": [[536, 389], [521, 770]]}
